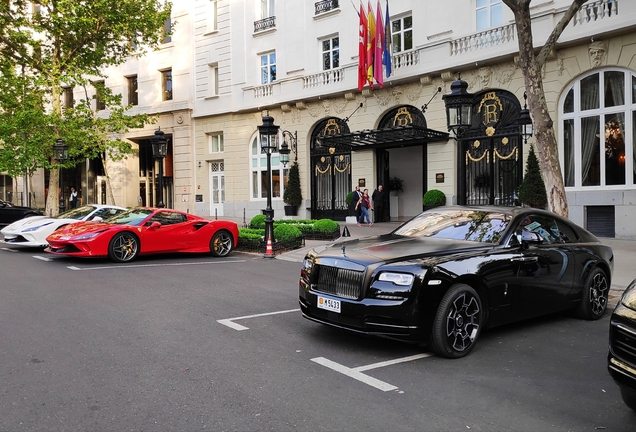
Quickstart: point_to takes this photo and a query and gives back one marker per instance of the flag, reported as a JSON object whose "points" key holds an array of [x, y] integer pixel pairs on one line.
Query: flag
{"points": [[362, 49], [370, 45], [379, 47], [386, 57]]}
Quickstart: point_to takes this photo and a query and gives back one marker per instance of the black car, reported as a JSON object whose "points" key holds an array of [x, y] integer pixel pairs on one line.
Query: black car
{"points": [[10, 213], [448, 273], [621, 360]]}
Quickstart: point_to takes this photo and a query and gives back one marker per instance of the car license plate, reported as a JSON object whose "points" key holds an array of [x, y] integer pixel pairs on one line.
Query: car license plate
{"points": [[329, 304]]}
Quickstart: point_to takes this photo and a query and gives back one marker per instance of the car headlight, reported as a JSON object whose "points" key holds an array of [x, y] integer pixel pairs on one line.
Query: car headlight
{"points": [[308, 264], [402, 279], [87, 236], [629, 296], [35, 228]]}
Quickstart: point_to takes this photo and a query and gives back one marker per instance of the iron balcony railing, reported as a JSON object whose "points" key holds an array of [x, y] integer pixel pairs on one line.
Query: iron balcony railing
{"points": [[326, 5], [264, 24]]}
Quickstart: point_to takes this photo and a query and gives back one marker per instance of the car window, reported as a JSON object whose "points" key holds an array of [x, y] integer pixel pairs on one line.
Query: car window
{"points": [[76, 213], [568, 235], [106, 213], [130, 217], [168, 218], [545, 226]]}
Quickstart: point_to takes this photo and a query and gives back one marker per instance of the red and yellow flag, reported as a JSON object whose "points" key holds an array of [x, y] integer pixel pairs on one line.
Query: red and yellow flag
{"points": [[370, 45], [362, 48]]}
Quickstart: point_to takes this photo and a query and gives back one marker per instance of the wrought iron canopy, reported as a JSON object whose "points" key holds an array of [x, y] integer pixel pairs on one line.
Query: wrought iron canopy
{"points": [[397, 136]]}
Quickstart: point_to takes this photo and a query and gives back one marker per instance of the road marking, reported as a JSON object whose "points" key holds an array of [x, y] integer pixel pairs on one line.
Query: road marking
{"points": [[115, 266], [229, 321], [41, 258], [356, 373], [10, 250]]}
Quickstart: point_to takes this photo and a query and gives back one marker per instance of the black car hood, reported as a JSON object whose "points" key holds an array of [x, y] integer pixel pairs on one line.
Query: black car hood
{"points": [[392, 248]]}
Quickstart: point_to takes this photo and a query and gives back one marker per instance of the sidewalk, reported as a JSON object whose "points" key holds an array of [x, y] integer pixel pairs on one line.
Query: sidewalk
{"points": [[624, 254]]}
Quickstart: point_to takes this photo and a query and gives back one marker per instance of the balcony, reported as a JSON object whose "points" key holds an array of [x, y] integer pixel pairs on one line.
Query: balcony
{"points": [[324, 78], [484, 39], [326, 6], [595, 11], [264, 24]]}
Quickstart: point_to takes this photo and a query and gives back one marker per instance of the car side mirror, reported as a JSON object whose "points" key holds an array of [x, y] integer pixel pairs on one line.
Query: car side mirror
{"points": [[155, 225], [98, 219], [529, 237]]}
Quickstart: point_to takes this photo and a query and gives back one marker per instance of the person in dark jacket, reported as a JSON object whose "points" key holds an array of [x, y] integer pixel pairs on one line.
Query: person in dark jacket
{"points": [[357, 194], [378, 203]]}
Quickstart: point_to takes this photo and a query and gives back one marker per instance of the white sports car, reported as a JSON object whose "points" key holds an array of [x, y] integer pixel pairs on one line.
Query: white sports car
{"points": [[32, 231]]}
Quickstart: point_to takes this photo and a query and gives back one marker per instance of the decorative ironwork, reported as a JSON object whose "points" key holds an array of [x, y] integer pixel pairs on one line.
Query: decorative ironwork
{"points": [[264, 24], [326, 6]]}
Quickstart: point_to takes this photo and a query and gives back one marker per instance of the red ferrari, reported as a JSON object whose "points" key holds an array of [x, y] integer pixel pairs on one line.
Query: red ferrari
{"points": [[144, 231]]}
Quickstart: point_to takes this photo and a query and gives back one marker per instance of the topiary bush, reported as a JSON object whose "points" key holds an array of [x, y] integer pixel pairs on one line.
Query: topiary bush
{"points": [[293, 195], [288, 234], [258, 222], [433, 198], [532, 188], [326, 226]]}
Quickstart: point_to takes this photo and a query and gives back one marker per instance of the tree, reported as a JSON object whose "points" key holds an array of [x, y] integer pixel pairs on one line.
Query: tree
{"points": [[293, 195], [532, 189], [531, 63], [47, 44]]}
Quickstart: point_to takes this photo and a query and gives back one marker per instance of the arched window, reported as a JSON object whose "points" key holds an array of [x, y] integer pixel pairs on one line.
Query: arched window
{"points": [[598, 129], [258, 168]]}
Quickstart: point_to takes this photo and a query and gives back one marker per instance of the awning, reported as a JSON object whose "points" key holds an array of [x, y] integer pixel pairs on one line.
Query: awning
{"points": [[398, 136]]}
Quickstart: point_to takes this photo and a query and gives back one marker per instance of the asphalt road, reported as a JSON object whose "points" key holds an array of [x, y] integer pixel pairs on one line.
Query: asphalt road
{"points": [[191, 343]]}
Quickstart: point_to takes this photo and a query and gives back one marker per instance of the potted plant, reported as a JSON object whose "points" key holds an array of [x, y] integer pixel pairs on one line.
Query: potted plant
{"points": [[532, 189], [396, 185], [293, 195], [433, 198]]}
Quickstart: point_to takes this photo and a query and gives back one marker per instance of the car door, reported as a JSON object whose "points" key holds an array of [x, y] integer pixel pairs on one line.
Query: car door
{"points": [[544, 266], [165, 237]]}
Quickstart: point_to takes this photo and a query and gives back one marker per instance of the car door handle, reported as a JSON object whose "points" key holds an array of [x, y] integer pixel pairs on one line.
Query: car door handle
{"points": [[525, 259]]}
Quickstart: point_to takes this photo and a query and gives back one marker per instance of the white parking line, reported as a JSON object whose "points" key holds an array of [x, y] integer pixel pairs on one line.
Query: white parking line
{"points": [[41, 258], [10, 250], [229, 321], [116, 266], [356, 373]]}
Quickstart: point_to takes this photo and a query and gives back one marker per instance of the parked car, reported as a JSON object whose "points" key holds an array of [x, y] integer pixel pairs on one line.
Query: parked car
{"points": [[32, 231], [621, 360], [145, 230], [450, 272], [10, 213]]}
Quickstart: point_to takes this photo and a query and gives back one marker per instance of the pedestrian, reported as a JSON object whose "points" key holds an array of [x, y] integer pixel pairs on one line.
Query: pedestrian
{"points": [[364, 204], [378, 203], [72, 199], [357, 194]]}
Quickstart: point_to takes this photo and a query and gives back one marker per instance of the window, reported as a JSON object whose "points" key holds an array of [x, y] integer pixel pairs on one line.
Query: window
{"points": [[268, 68], [99, 102], [488, 14], [212, 25], [402, 34], [267, 8], [215, 143], [133, 90], [67, 97], [213, 80], [167, 84], [167, 31], [259, 172], [331, 53], [598, 118]]}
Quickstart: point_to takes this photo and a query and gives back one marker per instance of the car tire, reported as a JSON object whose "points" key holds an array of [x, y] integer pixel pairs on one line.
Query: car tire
{"points": [[221, 244], [123, 247], [629, 398], [457, 323], [595, 295]]}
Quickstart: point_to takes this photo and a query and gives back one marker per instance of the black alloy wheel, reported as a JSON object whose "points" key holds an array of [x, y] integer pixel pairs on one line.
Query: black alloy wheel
{"points": [[221, 244], [595, 295], [123, 247], [457, 323]]}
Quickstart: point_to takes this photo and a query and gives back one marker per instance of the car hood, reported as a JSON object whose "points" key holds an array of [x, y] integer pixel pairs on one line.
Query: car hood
{"points": [[392, 248], [23, 223], [78, 228]]}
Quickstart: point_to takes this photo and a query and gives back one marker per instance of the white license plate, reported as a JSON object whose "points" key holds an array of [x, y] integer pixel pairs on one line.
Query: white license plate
{"points": [[329, 304]]}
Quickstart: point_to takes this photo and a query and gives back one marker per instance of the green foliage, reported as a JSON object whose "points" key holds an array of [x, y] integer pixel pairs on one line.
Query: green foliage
{"points": [[349, 199], [532, 188], [286, 231], [434, 198], [326, 226], [258, 222], [293, 195], [250, 234], [396, 184]]}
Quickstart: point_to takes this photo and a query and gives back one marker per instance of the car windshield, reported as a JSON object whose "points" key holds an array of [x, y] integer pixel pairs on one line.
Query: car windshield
{"points": [[76, 213], [130, 217], [472, 225]]}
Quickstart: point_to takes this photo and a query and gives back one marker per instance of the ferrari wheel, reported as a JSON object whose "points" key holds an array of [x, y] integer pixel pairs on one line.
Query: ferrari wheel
{"points": [[595, 294], [457, 323], [124, 247], [221, 244]]}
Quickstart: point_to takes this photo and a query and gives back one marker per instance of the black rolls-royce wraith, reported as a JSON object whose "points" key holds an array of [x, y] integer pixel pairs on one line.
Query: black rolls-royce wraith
{"points": [[450, 272]]}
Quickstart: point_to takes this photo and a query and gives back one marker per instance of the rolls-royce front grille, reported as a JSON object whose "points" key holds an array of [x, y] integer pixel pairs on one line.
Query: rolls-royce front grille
{"points": [[339, 282], [624, 343]]}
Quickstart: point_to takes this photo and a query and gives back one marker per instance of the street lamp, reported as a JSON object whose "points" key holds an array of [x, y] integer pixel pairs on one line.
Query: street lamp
{"points": [[459, 107], [269, 143], [285, 148], [524, 121], [159, 150], [60, 152]]}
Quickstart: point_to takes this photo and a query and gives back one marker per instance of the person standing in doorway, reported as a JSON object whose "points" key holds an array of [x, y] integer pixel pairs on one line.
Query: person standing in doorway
{"points": [[378, 203], [357, 194], [72, 199]]}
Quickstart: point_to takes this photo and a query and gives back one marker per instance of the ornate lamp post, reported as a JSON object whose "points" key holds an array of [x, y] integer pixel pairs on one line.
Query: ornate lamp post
{"points": [[60, 152], [524, 120], [159, 150], [269, 144], [459, 107], [286, 149]]}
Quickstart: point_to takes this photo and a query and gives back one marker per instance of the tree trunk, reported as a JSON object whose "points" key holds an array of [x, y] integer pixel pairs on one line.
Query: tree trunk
{"points": [[108, 187]]}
